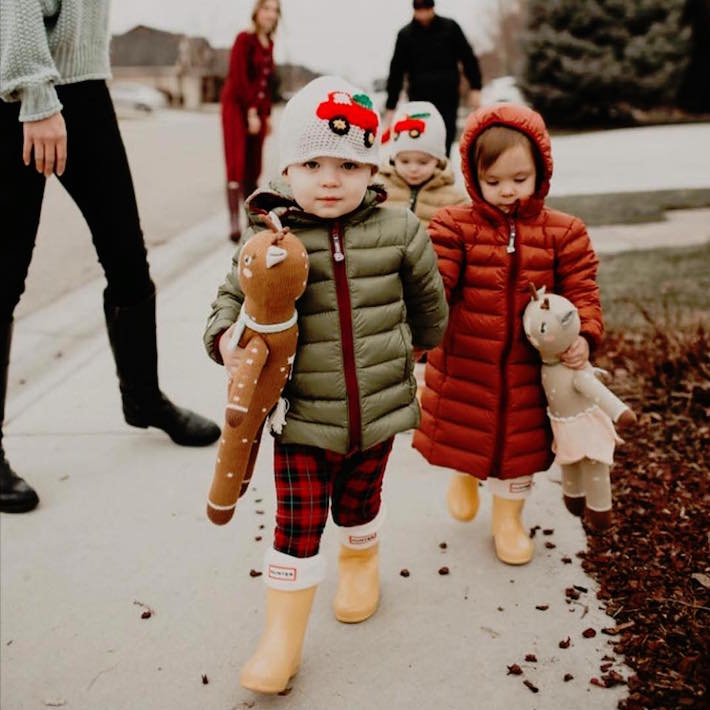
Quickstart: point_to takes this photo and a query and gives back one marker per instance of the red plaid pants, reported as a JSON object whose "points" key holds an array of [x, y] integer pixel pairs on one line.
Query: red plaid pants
{"points": [[308, 478]]}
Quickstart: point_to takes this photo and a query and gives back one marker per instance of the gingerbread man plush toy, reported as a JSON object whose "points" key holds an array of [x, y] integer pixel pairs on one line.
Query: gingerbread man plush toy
{"points": [[273, 272], [581, 409]]}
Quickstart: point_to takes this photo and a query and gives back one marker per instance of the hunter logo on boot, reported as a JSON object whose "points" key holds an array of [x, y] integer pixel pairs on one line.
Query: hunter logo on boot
{"points": [[283, 574], [519, 486], [360, 540]]}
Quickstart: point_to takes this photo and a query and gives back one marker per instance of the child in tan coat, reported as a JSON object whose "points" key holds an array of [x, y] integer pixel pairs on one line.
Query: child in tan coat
{"points": [[418, 174]]}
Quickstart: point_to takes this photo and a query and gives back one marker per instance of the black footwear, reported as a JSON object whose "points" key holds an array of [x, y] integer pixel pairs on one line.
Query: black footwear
{"points": [[131, 332], [181, 425], [234, 199], [16, 495]]}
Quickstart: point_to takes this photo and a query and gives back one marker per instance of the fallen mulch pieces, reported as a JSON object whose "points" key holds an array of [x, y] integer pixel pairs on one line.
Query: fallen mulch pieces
{"points": [[568, 677], [531, 658], [515, 669], [404, 573], [255, 573], [443, 570], [533, 530], [564, 643], [543, 607], [532, 687], [589, 633], [652, 564]]}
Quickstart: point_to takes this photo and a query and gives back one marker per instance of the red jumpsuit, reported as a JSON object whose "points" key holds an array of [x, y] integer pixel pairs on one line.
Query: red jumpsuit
{"points": [[251, 66]]}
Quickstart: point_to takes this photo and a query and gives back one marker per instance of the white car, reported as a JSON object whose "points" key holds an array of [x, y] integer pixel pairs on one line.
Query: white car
{"points": [[136, 97]]}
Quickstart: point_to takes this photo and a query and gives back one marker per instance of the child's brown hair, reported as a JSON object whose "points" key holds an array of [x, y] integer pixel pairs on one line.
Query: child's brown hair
{"points": [[493, 142]]}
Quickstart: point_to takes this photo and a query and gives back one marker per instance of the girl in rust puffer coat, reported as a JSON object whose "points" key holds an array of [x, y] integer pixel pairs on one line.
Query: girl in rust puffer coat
{"points": [[484, 409]]}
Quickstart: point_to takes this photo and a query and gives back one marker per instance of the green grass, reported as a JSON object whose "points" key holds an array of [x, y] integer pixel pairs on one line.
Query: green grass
{"points": [[668, 287], [629, 207]]}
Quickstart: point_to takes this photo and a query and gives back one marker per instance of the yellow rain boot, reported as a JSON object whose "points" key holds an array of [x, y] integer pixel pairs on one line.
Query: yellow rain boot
{"points": [[358, 573], [358, 584], [278, 656], [512, 542], [462, 497]]}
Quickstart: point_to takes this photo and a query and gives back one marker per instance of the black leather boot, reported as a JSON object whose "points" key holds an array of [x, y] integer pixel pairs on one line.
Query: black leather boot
{"points": [[131, 332], [16, 495], [234, 199]]}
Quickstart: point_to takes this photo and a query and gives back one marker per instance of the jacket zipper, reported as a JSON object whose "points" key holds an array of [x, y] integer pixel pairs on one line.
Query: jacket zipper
{"points": [[413, 196], [510, 307], [342, 292]]}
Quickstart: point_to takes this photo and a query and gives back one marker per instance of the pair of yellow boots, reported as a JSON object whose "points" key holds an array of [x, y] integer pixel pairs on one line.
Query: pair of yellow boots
{"points": [[512, 542], [278, 656]]}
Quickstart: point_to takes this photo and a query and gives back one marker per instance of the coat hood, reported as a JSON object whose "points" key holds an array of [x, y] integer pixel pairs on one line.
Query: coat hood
{"points": [[522, 119], [278, 197]]}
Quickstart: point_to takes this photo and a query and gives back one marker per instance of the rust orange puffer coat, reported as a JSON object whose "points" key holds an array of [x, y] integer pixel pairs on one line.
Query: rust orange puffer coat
{"points": [[483, 404]]}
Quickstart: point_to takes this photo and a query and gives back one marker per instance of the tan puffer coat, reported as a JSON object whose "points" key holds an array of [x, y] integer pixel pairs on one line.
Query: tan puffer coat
{"points": [[425, 200]]}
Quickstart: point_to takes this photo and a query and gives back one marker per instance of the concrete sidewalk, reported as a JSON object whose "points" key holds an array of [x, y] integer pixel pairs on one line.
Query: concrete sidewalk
{"points": [[121, 527]]}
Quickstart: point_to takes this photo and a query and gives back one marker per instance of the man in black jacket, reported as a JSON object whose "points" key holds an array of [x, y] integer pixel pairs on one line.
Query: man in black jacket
{"points": [[428, 51]]}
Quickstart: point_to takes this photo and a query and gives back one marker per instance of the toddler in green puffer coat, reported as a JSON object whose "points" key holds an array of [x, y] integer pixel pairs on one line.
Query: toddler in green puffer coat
{"points": [[374, 297]]}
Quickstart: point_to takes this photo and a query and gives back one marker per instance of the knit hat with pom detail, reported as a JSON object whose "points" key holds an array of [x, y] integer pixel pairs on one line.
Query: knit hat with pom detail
{"points": [[418, 126], [329, 117]]}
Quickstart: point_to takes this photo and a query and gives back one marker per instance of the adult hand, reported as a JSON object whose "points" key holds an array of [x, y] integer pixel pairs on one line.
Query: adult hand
{"points": [[231, 358], [253, 123], [576, 356], [474, 99], [48, 139]]}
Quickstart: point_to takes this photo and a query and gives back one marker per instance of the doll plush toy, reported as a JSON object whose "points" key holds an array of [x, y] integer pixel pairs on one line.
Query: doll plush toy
{"points": [[272, 271], [581, 410]]}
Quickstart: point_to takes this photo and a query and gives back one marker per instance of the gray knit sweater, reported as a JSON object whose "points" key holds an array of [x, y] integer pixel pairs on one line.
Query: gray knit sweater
{"points": [[49, 42]]}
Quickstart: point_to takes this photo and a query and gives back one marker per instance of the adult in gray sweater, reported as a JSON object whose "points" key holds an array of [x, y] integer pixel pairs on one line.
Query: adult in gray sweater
{"points": [[56, 116]]}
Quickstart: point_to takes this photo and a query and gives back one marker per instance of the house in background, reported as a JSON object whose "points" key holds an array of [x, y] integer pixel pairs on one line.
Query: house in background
{"points": [[188, 70]]}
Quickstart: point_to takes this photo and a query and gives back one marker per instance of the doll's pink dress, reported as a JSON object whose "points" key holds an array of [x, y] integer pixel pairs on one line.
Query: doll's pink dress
{"points": [[589, 434]]}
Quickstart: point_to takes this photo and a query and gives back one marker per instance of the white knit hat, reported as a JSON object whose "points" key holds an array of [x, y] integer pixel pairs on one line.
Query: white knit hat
{"points": [[418, 126], [329, 117]]}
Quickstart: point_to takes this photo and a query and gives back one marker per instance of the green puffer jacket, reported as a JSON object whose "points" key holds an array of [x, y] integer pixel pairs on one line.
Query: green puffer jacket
{"points": [[352, 383]]}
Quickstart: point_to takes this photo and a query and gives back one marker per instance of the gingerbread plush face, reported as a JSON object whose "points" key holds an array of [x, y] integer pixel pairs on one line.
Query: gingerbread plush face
{"points": [[273, 267]]}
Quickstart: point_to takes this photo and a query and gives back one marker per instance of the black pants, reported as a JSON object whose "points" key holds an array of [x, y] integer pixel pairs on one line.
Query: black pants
{"points": [[448, 107], [97, 178]]}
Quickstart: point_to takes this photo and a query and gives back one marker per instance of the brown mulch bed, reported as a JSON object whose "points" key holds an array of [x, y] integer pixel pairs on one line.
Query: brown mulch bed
{"points": [[653, 565]]}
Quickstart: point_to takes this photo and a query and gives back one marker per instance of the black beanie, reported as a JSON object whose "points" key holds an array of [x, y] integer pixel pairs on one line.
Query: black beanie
{"points": [[421, 4]]}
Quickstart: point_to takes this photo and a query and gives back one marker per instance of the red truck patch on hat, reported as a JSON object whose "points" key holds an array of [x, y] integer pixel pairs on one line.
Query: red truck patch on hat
{"points": [[412, 124], [342, 111]]}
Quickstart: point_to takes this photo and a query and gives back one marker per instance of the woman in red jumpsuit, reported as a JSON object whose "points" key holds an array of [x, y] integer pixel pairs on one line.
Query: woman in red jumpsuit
{"points": [[246, 105]]}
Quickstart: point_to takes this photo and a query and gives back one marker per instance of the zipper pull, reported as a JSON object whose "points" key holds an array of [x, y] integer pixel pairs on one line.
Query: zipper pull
{"points": [[337, 248], [511, 237]]}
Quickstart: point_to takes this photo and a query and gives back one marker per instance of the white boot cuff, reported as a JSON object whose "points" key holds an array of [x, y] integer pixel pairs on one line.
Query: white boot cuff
{"points": [[287, 573], [361, 537], [511, 488]]}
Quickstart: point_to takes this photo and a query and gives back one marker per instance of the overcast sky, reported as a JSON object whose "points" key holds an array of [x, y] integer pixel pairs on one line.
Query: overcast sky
{"points": [[354, 38]]}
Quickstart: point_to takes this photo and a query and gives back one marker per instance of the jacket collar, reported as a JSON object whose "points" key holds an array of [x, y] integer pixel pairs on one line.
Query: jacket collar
{"points": [[278, 197], [442, 176]]}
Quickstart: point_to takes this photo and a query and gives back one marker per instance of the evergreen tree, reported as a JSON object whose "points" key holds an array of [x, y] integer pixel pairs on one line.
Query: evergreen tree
{"points": [[595, 61]]}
